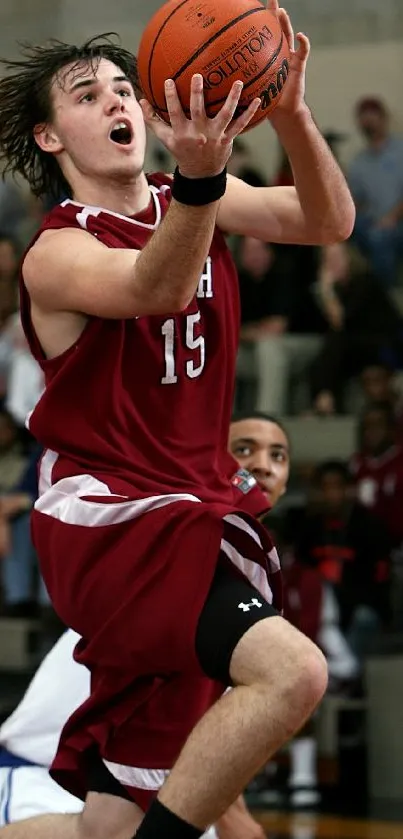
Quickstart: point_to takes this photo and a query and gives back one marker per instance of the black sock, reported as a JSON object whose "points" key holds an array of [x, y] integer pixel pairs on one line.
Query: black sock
{"points": [[160, 822]]}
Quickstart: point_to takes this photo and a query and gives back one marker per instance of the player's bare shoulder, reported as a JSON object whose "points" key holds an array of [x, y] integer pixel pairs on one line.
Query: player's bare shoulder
{"points": [[71, 270], [51, 258]]}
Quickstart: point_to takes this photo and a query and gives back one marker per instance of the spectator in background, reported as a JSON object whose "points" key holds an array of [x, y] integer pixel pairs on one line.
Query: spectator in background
{"points": [[20, 574], [12, 206], [363, 322], [25, 377], [270, 293], [8, 304], [9, 260], [241, 166], [377, 469], [12, 458], [265, 284], [303, 261], [350, 548], [376, 182], [378, 384]]}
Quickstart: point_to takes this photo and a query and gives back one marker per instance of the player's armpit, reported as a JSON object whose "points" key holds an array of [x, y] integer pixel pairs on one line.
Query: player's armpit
{"points": [[69, 270]]}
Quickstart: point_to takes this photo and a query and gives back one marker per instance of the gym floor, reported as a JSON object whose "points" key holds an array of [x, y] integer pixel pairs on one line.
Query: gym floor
{"points": [[299, 826]]}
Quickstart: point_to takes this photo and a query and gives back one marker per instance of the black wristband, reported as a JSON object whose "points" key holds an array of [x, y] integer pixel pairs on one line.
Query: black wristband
{"points": [[196, 192]]}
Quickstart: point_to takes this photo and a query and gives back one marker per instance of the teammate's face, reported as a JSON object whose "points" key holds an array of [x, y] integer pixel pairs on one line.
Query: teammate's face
{"points": [[262, 448], [97, 129]]}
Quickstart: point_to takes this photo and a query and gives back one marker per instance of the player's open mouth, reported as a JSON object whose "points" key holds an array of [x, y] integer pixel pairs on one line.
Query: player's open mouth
{"points": [[121, 133]]}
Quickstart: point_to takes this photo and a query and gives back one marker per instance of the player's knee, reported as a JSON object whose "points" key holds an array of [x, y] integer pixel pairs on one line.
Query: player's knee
{"points": [[275, 655], [311, 677]]}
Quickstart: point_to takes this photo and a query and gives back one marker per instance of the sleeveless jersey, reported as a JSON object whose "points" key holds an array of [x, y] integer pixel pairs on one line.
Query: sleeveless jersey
{"points": [[144, 404]]}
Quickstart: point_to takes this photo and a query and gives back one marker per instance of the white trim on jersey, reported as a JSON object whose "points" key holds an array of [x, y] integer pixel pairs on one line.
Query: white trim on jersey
{"points": [[87, 211], [134, 776], [64, 502]]}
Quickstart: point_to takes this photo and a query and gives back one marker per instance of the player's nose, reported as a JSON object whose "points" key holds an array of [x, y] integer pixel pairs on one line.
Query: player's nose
{"points": [[113, 103], [261, 466]]}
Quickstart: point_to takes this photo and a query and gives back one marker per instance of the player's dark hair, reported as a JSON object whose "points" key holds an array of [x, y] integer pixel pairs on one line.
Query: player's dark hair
{"points": [[239, 416], [26, 101]]}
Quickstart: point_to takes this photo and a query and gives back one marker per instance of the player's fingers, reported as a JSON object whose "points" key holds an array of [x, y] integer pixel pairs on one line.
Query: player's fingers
{"points": [[153, 121], [304, 47], [241, 122], [197, 109], [175, 110], [272, 6], [287, 28], [225, 115]]}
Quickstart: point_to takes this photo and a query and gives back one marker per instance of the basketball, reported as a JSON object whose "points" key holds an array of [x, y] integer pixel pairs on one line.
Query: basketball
{"points": [[225, 41]]}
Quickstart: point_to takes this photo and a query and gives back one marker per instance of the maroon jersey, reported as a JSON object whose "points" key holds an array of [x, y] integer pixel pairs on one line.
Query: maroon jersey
{"points": [[379, 483], [137, 500], [145, 403]]}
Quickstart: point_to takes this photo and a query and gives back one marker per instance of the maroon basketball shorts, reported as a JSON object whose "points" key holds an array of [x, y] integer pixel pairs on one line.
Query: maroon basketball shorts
{"points": [[160, 597]]}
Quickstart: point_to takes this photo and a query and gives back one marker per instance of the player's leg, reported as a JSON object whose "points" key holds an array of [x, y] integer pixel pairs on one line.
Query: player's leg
{"points": [[279, 676]]}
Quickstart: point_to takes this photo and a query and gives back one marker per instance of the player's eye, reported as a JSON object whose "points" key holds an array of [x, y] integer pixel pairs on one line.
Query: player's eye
{"points": [[88, 97], [279, 457], [124, 92], [242, 451]]}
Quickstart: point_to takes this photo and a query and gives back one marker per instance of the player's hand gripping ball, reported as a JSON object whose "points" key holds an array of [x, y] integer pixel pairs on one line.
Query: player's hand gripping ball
{"points": [[224, 41]]}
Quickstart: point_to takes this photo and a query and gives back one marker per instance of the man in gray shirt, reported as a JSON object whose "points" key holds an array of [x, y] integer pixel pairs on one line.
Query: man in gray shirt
{"points": [[376, 182]]}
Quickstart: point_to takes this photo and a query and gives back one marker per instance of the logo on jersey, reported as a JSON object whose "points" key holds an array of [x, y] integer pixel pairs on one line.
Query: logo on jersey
{"points": [[246, 607], [244, 481], [205, 288]]}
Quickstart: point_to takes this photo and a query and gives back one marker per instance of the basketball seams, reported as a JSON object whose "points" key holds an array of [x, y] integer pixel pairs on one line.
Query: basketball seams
{"points": [[163, 25], [221, 101], [217, 35]]}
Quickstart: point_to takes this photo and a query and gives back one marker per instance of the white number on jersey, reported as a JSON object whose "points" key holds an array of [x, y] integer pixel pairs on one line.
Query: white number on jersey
{"points": [[194, 367]]}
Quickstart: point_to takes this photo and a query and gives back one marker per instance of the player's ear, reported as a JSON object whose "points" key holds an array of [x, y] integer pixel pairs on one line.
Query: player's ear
{"points": [[47, 138]]}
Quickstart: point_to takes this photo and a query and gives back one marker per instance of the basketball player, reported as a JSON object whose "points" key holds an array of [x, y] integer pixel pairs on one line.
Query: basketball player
{"points": [[129, 303], [260, 444]]}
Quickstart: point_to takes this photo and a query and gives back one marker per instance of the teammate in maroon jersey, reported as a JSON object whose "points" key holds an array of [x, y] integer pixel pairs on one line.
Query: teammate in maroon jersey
{"points": [[129, 303]]}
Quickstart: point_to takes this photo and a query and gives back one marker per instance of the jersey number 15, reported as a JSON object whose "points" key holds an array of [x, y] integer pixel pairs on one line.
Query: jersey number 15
{"points": [[194, 366]]}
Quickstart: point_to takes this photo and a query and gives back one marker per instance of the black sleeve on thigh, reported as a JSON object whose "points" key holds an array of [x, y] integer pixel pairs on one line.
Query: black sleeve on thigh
{"points": [[232, 606]]}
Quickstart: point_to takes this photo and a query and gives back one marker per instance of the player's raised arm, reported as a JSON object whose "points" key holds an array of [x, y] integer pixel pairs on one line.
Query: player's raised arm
{"points": [[319, 209]]}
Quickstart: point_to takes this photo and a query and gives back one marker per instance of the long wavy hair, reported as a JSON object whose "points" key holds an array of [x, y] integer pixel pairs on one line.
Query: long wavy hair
{"points": [[26, 101]]}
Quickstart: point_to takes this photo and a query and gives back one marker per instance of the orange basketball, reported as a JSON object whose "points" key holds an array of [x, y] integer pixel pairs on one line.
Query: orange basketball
{"points": [[224, 40]]}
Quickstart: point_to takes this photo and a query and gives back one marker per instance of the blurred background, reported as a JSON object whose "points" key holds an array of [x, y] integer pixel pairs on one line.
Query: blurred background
{"points": [[321, 349]]}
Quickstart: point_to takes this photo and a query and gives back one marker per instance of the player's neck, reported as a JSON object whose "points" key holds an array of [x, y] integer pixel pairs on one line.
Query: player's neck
{"points": [[124, 198]]}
